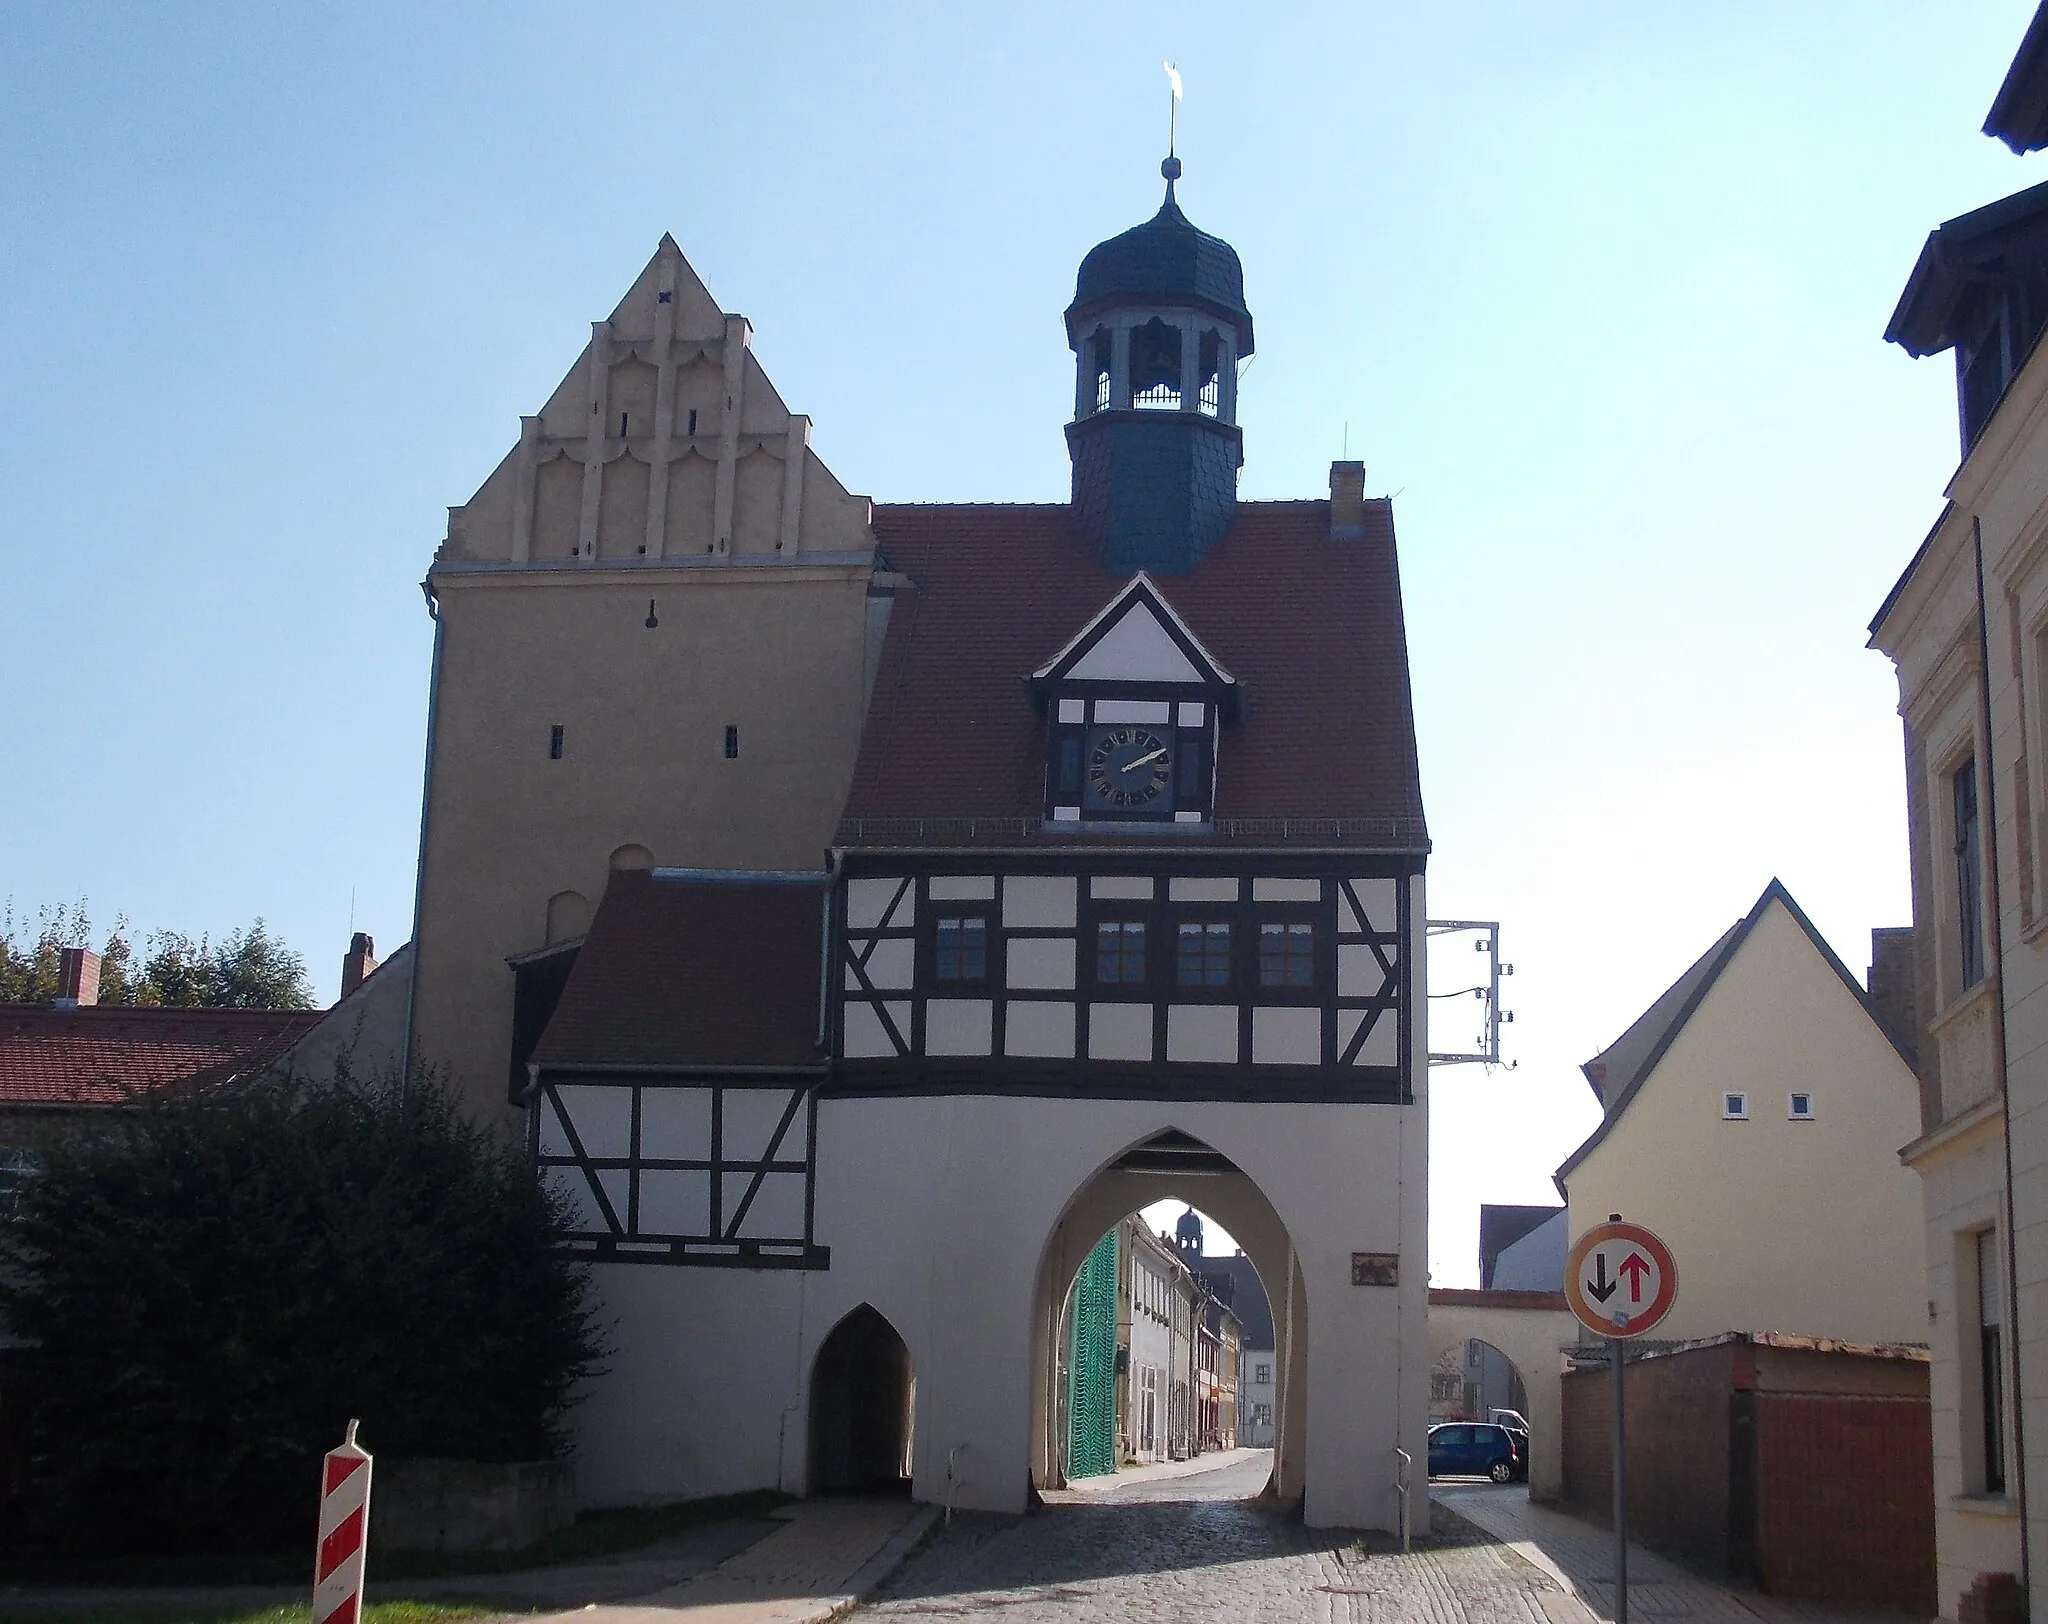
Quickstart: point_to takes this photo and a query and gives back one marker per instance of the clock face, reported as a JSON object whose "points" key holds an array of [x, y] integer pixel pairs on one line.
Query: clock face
{"points": [[1130, 771]]}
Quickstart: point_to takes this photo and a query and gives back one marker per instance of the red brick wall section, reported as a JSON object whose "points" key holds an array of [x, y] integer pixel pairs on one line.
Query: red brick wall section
{"points": [[1677, 1452], [1845, 1500]]}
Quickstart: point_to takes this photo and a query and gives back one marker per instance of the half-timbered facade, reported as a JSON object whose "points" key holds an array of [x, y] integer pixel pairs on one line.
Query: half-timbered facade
{"points": [[1125, 902]]}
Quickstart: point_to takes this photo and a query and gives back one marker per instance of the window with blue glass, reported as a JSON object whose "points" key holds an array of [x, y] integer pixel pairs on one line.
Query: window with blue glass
{"points": [[1119, 952], [960, 948], [1202, 953], [1287, 953]]}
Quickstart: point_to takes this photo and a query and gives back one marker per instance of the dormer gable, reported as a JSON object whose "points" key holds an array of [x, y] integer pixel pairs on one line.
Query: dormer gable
{"points": [[1135, 639], [1133, 705]]}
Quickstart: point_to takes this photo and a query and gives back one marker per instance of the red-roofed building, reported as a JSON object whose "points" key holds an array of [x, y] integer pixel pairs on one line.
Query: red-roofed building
{"points": [[869, 915], [65, 1064]]}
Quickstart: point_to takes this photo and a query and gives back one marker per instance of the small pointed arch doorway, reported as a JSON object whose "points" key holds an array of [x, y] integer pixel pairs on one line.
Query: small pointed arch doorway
{"points": [[1169, 1165], [863, 1399]]}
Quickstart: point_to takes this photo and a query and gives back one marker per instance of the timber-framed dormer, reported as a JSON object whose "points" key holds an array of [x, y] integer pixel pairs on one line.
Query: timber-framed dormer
{"points": [[1134, 709]]}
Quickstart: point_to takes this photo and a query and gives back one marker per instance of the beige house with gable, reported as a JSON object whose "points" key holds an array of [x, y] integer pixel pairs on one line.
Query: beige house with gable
{"points": [[1753, 1119]]}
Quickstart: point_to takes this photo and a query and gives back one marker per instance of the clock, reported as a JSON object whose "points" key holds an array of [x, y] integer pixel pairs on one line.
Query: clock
{"points": [[1129, 772]]}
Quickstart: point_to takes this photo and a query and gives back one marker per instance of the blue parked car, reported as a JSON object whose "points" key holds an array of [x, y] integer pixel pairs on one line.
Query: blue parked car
{"points": [[1476, 1449]]}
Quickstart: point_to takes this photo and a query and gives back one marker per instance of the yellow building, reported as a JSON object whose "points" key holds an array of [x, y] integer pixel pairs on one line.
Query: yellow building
{"points": [[1753, 1119]]}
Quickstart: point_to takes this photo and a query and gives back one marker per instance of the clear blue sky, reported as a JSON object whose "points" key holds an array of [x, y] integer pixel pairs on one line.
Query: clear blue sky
{"points": [[1598, 292]]}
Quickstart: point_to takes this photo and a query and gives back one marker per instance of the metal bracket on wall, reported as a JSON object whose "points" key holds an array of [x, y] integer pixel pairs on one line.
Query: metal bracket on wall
{"points": [[1493, 1017]]}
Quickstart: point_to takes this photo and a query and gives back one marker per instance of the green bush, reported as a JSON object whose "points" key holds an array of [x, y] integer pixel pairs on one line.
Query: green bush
{"points": [[211, 1289]]}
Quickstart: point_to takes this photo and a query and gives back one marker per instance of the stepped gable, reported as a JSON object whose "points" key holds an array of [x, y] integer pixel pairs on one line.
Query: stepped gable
{"points": [[1322, 753]]}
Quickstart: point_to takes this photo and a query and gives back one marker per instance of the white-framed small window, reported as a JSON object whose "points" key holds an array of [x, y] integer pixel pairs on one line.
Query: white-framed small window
{"points": [[1799, 1107], [1734, 1107]]}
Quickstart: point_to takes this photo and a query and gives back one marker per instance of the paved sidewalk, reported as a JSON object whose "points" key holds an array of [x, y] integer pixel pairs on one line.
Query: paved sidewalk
{"points": [[1580, 1558], [1159, 1472], [829, 1554]]}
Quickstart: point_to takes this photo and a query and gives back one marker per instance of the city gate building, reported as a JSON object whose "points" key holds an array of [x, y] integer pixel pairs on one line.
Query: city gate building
{"points": [[862, 908]]}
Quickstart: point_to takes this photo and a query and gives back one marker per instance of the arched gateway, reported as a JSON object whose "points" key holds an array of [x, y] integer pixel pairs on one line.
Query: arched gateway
{"points": [[1125, 901], [1172, 1165], [862, 1405]]}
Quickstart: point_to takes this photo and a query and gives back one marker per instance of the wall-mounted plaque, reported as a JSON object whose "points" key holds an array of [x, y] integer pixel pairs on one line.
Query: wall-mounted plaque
{"points": [[1375, 1268]]}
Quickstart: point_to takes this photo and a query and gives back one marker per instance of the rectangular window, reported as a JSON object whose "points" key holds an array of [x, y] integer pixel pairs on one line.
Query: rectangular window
{"points": [[1204, 956], [1800, 1107], [1991, 1360], [732, 744], [1119, 952], [1262, 1374], [1969, 875], [1191, 774], [555, 742], [1735, 1107], [962, 949], [1287, 954]]}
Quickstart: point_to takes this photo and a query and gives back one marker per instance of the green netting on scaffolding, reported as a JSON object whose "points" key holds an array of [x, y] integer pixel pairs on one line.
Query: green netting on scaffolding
{"points": [[1091, 1406]]}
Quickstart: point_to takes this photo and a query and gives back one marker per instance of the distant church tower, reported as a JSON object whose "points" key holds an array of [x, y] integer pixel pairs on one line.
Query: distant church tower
{"points": [[1157, 327]]}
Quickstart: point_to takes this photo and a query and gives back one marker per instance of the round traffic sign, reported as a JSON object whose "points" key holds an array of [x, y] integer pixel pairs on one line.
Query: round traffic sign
{"points": [[1620, 1279]]}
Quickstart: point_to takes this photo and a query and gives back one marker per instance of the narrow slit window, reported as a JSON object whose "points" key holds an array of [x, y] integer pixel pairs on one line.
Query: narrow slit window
{"points": [[555, 742], [1969, 875], [1991, 1360], [961, 949], [1287, 953], [693, 420], [732, 744], [1204, 954], [1119, 952], [622, 424]]}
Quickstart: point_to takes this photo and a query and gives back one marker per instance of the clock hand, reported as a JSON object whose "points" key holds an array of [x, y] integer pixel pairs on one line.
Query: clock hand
{"points": [[1154, 756]]}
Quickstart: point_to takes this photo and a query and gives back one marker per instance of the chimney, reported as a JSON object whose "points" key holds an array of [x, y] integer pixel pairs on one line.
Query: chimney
{"points": [[78, 977], [358, 962], [1893, 986], [1347, 501]]}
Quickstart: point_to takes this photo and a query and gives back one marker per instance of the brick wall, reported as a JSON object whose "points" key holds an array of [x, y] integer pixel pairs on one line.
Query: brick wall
{"points": [[1806, 1471], [1678, 1453], [1845, 1499]]}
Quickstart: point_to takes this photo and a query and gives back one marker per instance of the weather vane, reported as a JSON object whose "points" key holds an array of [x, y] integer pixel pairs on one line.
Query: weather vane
{"points": [[1171, 168]]}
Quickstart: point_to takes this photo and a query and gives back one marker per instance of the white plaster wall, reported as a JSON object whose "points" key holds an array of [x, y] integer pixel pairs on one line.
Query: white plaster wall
{"points": [[952, 1258], [938, 1213]]}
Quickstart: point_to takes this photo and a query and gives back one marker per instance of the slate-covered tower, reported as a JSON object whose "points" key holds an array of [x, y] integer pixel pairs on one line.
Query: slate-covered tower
{"points": [[1157, 327]]}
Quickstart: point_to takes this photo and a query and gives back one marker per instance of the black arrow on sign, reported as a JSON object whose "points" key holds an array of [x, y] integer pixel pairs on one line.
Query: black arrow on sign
{"points": [[1602, 1287]]}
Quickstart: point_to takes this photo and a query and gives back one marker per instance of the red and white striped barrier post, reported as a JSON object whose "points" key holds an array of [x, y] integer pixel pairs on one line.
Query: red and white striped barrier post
{"points": [[344, 1531]]}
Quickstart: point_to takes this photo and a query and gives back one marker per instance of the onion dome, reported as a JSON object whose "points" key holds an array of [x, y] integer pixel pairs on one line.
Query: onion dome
{"points": [[1164, 261]]}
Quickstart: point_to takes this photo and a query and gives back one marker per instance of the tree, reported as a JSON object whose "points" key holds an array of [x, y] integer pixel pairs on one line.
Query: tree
{"points": [[224, 1282], [249, 969]]}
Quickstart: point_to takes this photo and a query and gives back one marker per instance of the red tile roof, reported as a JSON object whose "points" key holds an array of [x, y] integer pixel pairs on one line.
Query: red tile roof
{"points": [[953, 752], [108, 1054], [691, 973]]}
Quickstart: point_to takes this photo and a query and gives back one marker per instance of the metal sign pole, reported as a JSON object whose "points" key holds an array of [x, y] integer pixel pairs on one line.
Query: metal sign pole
{"points": [[1614, 1355]]}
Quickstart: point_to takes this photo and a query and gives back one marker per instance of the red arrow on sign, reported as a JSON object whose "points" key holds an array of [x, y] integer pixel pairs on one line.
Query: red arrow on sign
{"points": [[1635, 1266]]}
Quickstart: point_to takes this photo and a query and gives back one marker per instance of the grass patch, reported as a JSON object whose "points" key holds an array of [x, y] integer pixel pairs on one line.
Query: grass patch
{"points": [[377, 1612], [592, 1537]]}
